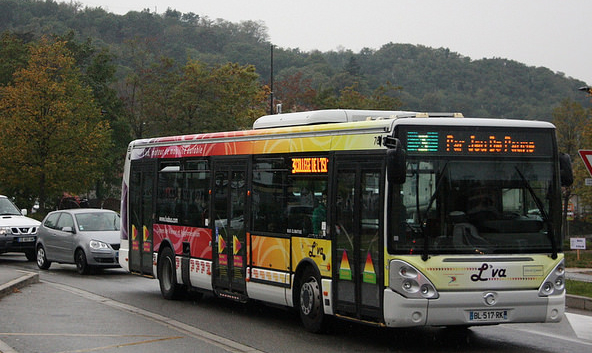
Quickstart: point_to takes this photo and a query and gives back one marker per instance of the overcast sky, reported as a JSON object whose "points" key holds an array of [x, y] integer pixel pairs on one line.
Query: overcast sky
{"points": [[556, 34]]}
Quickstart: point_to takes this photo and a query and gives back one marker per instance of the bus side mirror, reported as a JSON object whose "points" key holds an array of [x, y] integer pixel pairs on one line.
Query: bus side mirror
{"points": [[565, 170], [396, 163]]}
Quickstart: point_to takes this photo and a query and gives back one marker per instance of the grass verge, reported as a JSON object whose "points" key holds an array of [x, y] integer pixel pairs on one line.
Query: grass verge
{"points": [[583, 289]]}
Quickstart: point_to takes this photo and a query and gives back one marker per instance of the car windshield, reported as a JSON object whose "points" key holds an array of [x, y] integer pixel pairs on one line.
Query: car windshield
{"points": [[97, 221], [7, 208]]}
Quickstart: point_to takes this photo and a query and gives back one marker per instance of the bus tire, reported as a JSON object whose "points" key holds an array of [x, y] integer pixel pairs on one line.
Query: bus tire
{"points": [[310, 301], [167, 275]]}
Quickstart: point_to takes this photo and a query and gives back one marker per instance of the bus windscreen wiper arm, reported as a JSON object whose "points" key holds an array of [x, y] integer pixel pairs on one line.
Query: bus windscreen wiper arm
{"points": [[544, 214], [426, 239]]}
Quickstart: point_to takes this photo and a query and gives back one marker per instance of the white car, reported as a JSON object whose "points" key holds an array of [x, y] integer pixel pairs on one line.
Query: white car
{"points": [[17, 232]]}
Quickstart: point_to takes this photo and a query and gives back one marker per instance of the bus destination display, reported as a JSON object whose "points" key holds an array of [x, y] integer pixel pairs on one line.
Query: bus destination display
{"points": [[472, 142]]}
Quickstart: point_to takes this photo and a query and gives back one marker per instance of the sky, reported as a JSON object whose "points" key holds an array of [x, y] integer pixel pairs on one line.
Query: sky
{"points": [[556, 34]]}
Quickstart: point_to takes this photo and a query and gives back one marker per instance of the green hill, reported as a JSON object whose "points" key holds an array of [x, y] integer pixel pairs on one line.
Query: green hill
{"points": [[431, 79]]}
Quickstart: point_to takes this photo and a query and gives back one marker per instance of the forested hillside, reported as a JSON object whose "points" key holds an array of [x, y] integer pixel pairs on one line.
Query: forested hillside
{"points": [[427, 79]]}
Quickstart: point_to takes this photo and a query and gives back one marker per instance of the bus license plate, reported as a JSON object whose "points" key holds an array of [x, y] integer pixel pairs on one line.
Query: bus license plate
{"points": [[488, 315], [26, 239]]}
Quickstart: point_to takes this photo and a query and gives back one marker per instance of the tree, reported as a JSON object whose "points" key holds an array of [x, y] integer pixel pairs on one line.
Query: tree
{"points": [[383, 98], [572, 121], [296, 93], [13, 54], [220, 98], [58, 140]]}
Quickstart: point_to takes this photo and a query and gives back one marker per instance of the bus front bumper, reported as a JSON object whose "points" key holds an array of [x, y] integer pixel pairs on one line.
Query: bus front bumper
{"points": [[470, 308]]}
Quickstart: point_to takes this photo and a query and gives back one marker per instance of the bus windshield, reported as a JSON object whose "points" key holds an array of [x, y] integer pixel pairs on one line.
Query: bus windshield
{"points": [[468, 206]]}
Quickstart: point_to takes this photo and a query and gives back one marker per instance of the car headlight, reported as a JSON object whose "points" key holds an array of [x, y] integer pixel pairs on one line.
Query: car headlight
{"points": [[98, 245], [5, 230]]}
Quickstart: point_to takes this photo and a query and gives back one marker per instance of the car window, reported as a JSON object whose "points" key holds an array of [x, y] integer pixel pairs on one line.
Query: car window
{"points": [[51, 221], [65, 221], [97, 221], [7, 208]]}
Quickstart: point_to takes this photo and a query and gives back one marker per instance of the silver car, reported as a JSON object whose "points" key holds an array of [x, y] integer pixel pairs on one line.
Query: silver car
{"points": [[86, 237]]}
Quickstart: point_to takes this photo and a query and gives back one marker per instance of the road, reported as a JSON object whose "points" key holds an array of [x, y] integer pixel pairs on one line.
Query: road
{"points": [[127, 314]]}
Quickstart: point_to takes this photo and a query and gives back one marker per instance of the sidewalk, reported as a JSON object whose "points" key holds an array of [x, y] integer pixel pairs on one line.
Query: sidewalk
{"points": [[12, 280], [74, 320]]}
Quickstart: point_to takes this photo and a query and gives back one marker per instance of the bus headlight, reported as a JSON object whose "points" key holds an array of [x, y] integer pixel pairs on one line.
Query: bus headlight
{"points": [[554, 284], [409, 282]]}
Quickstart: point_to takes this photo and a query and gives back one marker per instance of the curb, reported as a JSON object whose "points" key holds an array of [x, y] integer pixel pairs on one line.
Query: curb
{"points": [[578, 302], [18, 283]]}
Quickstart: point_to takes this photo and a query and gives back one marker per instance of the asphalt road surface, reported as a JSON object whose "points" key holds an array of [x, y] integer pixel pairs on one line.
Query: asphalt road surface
{"points": [[112, 311]]}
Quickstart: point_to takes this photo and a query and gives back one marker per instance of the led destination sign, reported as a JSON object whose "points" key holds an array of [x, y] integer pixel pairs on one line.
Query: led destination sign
{"points": [[310, 165], [447, 141]]}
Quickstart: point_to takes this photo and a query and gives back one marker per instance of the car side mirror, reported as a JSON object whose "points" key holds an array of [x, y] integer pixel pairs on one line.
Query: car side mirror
{"points": [[68, 230], [24, 211]]}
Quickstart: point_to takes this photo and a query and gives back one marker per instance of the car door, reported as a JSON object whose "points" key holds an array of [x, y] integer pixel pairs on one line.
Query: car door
{"points": [[65, 238], [49, 235]]}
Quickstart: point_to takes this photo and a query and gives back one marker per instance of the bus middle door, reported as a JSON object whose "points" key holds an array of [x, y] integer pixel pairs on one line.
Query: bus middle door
{"points": [[228, 227], [358, 249], [141, 211]]}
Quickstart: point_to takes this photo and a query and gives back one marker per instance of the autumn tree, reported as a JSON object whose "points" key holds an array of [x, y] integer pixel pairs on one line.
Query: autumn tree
{"points": [[296, 93], [219, 98], [382, 98], [571, 121], [57, 139]]}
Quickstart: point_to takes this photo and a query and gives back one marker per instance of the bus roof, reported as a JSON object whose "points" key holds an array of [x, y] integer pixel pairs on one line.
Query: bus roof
{"points": [[328, 116], [336, 121]]}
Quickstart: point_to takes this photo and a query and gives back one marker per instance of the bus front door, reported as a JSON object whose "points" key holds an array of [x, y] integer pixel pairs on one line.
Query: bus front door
{"points": [[228, 228], [359, 251], [141, 212]]}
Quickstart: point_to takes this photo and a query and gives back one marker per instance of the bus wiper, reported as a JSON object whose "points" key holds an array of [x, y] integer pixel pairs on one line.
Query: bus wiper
{"points": [[544, 214], [426, 247]]}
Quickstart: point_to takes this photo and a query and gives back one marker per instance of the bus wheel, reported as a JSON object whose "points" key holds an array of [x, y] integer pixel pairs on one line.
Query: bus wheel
{"points": [[310, 302], [167, 275]]}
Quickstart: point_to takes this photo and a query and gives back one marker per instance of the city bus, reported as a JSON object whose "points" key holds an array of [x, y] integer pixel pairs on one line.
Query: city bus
{"points": [[388, 218]]}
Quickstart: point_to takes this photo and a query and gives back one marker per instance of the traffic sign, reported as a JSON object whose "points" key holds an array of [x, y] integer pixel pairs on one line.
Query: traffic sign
{"points": [[587, 159]]}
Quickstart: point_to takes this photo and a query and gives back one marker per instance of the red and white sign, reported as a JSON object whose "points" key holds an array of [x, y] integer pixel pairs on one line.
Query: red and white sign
{"points": [[587, 159]]}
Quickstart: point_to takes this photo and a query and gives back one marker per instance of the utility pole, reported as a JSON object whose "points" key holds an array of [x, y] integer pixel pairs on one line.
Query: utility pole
{"points": [[271, 85]]}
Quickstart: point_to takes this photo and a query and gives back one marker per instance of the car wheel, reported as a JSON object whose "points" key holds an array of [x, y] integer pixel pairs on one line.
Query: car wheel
{"points": [[42, 262], [167, 275], [81, 264], [310, 303], [31, 255]]}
